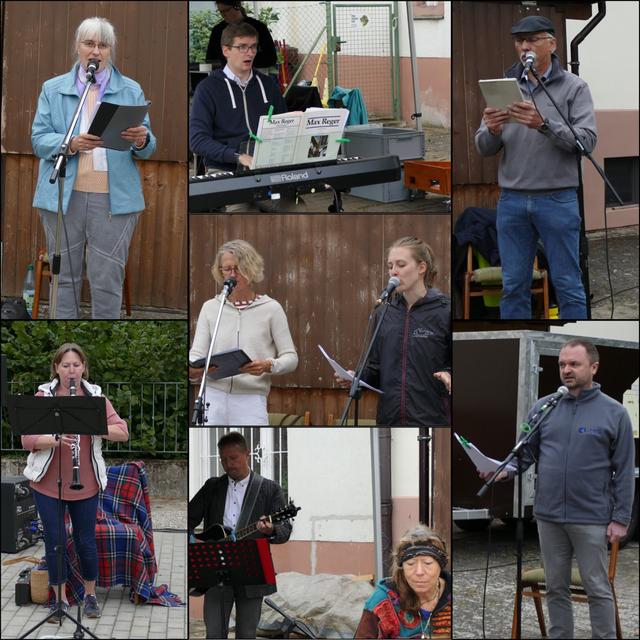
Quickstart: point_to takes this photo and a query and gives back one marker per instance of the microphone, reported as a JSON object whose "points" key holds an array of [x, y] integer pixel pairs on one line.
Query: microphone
{"points": [[229, 285], [529, 61], [393, 283], [72, 387], [92, 67], [554, 399]]}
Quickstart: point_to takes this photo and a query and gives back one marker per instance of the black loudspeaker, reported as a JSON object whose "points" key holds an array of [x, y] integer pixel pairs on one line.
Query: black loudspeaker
{"points": [[14, 309], [18, 512]]}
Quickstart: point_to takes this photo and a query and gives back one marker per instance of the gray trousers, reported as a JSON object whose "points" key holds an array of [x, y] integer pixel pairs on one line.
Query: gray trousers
{"points": [[107, 238], [247, 613], [588, 542]]}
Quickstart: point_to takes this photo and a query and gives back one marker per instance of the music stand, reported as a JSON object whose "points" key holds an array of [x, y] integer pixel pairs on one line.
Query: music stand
{"points": [[290, 625], [245, 563], [36, 415]]}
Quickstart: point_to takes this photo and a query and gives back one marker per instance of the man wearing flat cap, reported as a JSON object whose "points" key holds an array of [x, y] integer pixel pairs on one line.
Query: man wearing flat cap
{"points": [[538, 172]]}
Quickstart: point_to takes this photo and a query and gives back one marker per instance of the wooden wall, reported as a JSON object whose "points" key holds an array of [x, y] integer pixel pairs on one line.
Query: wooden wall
{"points": [[483, 48], [151, 49], [326, 271]]}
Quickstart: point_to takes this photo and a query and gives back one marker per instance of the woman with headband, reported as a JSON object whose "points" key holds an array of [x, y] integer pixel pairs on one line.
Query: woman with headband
{"points": [[415, 602]]}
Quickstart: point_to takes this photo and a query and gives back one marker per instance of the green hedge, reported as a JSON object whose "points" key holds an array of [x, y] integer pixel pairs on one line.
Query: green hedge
{"points": [[132, 352]]}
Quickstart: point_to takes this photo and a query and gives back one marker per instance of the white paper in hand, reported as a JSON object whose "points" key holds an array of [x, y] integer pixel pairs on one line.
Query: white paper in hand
{"points": [[481, 462], [343, 373]]}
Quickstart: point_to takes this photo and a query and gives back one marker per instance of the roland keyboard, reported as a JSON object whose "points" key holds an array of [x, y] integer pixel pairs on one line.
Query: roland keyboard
{"points": [[210, 192]]}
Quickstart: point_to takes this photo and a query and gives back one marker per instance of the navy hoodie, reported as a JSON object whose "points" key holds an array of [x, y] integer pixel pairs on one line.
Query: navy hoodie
{"points": [[218, 127], [412, 345]]}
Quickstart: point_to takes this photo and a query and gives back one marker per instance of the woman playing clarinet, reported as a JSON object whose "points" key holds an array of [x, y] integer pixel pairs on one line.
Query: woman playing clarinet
{"points": [[83, 476]]}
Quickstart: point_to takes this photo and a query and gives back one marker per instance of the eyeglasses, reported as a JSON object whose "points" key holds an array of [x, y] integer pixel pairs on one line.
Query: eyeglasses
{"points": [[230, 270], [243, 48], [90, 44], [531, 39]]}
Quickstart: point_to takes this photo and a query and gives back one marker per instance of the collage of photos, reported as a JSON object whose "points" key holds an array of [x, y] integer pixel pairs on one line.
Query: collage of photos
{"points": [[320, 319]]}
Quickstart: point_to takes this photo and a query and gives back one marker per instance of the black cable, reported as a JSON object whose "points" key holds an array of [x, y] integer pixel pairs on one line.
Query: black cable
{"points": [[73, 282], [606, 228], [616, 293], [170, 530]]}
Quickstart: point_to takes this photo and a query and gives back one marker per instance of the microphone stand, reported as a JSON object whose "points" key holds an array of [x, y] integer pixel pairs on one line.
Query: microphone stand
{"points": [[530, 429], [199, 418], [59, 173], [581, 151], [355, 391]]}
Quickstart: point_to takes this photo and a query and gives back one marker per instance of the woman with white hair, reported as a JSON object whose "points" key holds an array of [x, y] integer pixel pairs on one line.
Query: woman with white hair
{"points": [[103, 193], [252, 322]]}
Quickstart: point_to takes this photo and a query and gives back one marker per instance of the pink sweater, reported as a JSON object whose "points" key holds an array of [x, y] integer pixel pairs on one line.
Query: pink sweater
{"points": [[48, 486]]}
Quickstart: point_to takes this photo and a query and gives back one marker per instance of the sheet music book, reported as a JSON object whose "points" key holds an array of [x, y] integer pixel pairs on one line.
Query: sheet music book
{"points": [[500, 93], [228, 363], [110, 120], [299, 138]]}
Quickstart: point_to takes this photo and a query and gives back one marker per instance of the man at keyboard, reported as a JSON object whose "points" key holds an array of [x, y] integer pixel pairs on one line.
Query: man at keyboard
{"points": [[227, 106]]}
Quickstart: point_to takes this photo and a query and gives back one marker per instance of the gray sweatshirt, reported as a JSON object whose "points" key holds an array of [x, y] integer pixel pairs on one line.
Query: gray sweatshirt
{"points": [[532, 160], [585, 460], [261, 330]]}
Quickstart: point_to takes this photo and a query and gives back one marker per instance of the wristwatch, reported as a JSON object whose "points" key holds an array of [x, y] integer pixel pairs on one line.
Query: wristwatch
{"points": [[544, 127]]}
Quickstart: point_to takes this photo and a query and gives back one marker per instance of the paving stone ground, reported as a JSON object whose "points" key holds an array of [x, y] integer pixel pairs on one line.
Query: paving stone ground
{"points": [[120, 618]]}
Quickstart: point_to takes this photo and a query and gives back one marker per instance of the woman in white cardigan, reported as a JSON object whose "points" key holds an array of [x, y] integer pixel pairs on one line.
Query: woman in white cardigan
{"points": [[252, 322]]}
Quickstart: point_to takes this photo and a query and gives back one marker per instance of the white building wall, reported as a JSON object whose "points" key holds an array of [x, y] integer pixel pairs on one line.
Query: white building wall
{"points": [[432, 37], [617, 330], [609, 56], [330, 479], [405, 456]]}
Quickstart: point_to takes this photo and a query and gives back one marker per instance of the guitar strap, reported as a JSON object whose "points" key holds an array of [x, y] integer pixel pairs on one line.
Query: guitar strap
{"points": [[250, 498]]}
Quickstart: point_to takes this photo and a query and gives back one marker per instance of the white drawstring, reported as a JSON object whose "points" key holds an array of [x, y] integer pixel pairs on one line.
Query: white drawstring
{"points": [[233, 100], [264, 95]]}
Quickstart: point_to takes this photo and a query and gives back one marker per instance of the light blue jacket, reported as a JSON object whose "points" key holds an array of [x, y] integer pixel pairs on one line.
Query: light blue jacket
{"points": [[56, 106]]}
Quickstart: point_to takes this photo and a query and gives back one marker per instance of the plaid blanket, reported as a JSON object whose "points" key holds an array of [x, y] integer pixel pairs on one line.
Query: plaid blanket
{"points": [[124, 536]]}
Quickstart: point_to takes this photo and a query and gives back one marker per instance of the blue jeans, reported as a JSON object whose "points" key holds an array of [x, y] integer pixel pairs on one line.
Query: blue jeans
{"points": [[555, 219], [83, 518]]}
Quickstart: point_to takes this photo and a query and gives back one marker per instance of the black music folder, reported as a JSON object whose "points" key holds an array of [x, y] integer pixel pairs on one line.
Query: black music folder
{"points": [[111, 120], [228, 363]]}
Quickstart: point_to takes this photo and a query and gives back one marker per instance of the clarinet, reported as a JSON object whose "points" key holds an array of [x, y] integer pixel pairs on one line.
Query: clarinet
{"points": [[75, 448]]}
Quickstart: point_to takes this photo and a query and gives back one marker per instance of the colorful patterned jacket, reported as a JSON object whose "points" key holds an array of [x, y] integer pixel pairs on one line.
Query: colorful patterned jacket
{"points": [[383, 618]]}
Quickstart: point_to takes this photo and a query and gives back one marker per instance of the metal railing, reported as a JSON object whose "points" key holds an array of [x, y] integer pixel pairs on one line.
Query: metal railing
{"points": [[155, 412]]}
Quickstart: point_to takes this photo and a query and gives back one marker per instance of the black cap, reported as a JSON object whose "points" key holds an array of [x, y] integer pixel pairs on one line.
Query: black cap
{"points": [[533, 24]]}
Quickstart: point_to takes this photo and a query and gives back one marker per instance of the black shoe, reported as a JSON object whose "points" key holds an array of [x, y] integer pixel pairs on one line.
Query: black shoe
{"points": [[57, 613], [91, 607]]}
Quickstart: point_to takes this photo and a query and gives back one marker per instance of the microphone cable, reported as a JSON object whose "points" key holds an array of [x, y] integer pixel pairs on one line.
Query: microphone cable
{"points": [[606, 220]]}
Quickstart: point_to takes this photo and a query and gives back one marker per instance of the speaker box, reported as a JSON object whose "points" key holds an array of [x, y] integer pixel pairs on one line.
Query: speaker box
{"points": [[18, 510]]}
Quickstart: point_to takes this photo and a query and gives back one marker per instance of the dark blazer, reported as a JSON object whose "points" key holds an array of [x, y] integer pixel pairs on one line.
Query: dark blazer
{"points": [[208, 504]]}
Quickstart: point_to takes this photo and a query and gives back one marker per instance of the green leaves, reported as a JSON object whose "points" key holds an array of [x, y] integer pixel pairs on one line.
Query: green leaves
{"points": [[135, 353]]}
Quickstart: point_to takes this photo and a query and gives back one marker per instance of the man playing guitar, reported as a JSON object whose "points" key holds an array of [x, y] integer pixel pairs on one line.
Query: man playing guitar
{"points": [[235, 500]]}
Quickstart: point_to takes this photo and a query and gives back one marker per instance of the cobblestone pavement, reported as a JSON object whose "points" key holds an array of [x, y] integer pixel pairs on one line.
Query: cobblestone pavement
{"points": [[120, 617], [623, 267], [469, 560]]}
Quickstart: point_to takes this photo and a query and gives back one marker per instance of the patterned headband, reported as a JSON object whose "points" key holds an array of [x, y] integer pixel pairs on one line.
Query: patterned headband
{"points": [[427, 549]]}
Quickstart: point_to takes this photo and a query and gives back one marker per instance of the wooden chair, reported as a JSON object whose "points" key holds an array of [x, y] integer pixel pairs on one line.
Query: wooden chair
{"points": [[332, 421], [533, 586], [289, 420], [488, 281], [43, 272]]}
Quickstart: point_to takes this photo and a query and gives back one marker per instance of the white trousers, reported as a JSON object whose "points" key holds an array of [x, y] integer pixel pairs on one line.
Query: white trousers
{"points": [[236, 409]]}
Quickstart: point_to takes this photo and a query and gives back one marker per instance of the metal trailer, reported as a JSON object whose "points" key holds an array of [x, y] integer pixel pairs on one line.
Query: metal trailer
{"points": [[498, 376]]}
